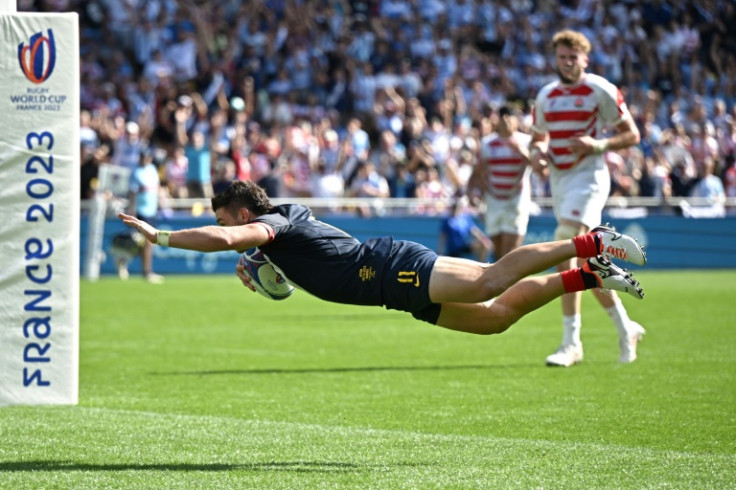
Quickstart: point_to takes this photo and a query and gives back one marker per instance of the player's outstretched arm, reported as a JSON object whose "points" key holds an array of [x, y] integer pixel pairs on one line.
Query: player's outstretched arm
{"points": [[144, 228], [202, 239]]}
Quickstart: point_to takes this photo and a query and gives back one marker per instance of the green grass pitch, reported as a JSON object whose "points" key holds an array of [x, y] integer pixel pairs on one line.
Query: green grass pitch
{"points": [[201, 384]]}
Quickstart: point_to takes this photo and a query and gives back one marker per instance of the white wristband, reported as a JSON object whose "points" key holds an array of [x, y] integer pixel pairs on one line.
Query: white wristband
{"points": [[600, 146], [162, 238]]}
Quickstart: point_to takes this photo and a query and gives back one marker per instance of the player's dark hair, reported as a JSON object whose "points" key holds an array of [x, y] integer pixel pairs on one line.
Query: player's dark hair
{"points": [[243, 194], [509, 110]]}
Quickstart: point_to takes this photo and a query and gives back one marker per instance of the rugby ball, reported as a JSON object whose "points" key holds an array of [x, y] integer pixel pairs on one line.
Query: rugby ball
{"points": [[264, 277]]}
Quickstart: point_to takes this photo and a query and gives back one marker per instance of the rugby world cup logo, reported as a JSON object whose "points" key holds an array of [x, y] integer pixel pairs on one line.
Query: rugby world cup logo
{"points": [[37, 59]]}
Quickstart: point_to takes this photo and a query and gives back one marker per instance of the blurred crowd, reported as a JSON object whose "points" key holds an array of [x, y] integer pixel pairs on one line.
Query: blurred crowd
{"points": [[389, 98]]}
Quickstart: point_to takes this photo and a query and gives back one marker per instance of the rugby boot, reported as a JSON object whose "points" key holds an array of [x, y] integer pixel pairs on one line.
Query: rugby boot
{"points": [[610, 276], [616, 245]]}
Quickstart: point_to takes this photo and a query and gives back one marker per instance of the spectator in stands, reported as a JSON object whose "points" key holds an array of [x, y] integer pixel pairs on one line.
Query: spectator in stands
{"points": [[330, 151], [369, 183], [363, 88], [128, 147], [675, 151], [88, 136], [622, 183], [199, 164], [431, 188], [358, 138], [709, 191], [388, 153], [145, 189], [157, 67], [91, 159], [175, 174], [326, 184], [224, 173], [726, 137], [402, 182], [703, 144], [182, 53], [654, 180]]}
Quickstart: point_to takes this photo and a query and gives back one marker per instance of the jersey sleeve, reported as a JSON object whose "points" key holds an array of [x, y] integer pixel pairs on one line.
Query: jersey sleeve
{"points": [[269, 229], [539, 123], [612, 107], [524, 139], [274, 224]]}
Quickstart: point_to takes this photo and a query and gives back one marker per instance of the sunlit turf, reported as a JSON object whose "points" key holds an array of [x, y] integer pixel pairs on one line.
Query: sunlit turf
{"points": [[201, 384]]}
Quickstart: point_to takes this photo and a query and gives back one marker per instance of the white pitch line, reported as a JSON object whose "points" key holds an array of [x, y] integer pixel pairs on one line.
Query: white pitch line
{"points": [[367, 431]]}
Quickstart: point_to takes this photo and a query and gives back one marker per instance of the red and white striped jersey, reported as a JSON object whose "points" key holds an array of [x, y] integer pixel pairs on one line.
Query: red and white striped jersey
{"points": [[504, 167], [568, 111]]}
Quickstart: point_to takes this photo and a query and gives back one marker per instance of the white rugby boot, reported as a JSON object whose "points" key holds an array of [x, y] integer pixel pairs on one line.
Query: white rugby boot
{"points": [[611, 276], [566, 356], [630, 341], [615, 245]]}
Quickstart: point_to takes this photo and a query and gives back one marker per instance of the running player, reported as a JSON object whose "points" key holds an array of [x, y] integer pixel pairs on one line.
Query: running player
{"points": [[455, 293], [570, 119], [502, 174]]}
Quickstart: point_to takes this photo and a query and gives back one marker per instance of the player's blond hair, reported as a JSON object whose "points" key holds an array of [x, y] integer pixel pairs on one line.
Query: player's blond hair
{"points": [[571, 39]]}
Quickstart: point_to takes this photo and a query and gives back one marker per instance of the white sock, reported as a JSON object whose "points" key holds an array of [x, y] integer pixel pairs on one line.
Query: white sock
{"points": [[620, 318], [571, 325]]}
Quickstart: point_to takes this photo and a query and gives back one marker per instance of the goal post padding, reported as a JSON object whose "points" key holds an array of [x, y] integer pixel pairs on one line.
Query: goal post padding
{"points": [[40, 203]]}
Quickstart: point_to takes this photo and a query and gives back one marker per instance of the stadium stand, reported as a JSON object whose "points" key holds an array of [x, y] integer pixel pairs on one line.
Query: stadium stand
{"points": [[299, 95]]}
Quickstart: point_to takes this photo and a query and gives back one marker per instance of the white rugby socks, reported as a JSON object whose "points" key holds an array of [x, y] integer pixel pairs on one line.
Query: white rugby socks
{"points": [[620, 318], [571, 325]]}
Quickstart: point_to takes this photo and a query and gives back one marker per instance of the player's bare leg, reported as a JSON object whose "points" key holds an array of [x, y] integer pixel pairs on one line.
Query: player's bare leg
{"points": [[456, 280], [497, 315], [530, 293]]}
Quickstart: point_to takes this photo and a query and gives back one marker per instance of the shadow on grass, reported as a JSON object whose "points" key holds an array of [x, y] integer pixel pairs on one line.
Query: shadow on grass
{"points": [[339, 370], [295, 466]]}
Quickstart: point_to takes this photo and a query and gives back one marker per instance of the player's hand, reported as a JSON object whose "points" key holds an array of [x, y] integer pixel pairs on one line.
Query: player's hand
{"points": [[585, 145], [144, 228], [243, 276], [539, 160]]}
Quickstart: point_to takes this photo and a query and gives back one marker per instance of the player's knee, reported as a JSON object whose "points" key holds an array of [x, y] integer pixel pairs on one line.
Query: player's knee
{"points": [[496, 327], [497, 320], [565, 231], [495, 280]]}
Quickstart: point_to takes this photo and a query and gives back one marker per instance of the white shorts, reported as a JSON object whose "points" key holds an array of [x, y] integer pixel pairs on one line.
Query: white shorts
{"points": [[580, 194], [508, 215]]}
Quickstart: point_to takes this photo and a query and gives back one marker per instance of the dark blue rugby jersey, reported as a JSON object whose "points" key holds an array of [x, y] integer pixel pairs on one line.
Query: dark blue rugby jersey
{"points": [[324, 260]]}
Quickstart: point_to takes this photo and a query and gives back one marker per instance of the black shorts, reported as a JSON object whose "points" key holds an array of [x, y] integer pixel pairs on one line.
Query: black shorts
{"points": [[406, 281]]}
